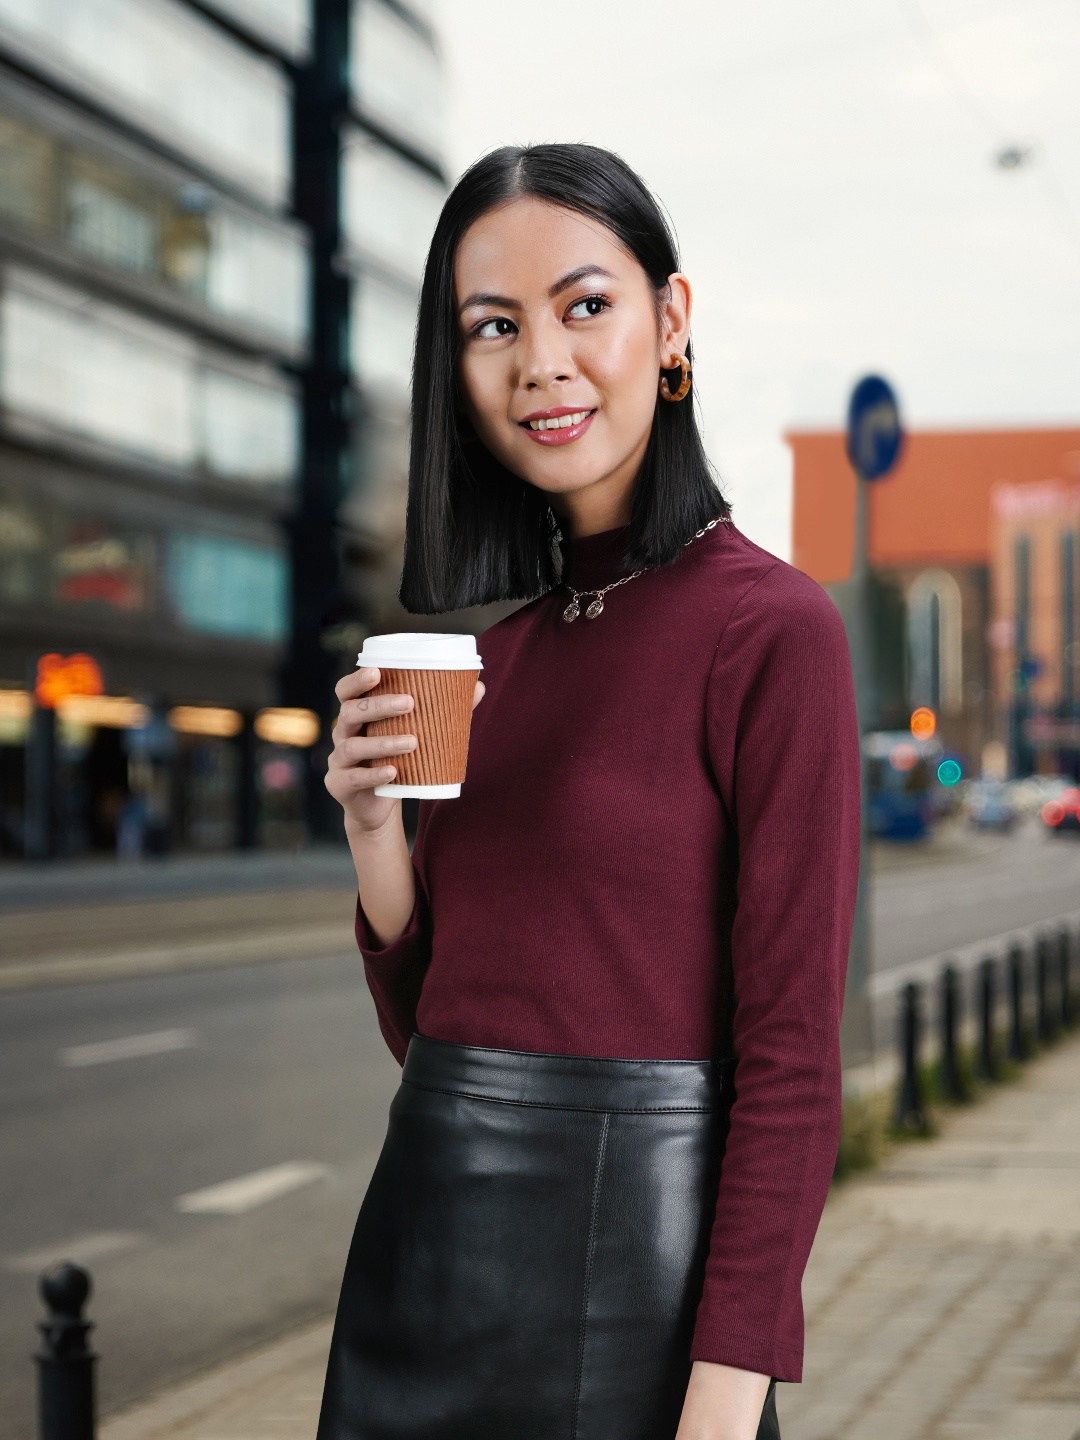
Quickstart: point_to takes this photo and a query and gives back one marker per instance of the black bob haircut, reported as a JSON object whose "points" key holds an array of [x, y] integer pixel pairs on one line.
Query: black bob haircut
{"points": [[475, 532]]}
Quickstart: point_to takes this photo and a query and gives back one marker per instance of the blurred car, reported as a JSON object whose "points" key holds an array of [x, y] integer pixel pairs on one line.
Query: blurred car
{"points": [[1030, 794], [989, 805], [1063, 812]]}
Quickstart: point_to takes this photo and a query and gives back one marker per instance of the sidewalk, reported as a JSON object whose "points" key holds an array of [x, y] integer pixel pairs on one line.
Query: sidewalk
{"points": [[942, 1298]]}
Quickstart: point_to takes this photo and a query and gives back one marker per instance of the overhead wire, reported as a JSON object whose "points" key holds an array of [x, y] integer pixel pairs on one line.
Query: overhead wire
{"points": [[984, 120]]}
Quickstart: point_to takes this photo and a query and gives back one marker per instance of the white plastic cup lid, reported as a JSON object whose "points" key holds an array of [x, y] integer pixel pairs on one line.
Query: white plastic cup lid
{"points": [[416, 650]]}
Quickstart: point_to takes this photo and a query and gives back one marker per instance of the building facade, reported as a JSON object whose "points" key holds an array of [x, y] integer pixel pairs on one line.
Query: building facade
{"points": [[946, 535], [159, 291]]}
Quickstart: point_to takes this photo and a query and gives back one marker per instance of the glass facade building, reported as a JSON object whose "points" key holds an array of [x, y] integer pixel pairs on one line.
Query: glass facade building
{"points": [[158, 329]]}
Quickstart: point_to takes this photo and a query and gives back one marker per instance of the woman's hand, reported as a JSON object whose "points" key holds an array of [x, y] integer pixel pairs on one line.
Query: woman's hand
{"points": [[722, 1403], [350, 777]]}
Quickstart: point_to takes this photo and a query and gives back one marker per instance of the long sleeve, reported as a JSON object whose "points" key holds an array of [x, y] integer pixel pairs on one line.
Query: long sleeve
{"points": [[788, 771], [395, 972]]}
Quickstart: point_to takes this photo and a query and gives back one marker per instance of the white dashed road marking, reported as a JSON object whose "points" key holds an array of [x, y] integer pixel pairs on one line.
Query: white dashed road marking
{"points": [[131, 1047], [246, 1192]]}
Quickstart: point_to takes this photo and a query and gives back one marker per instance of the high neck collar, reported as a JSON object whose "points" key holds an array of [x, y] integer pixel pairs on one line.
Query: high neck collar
{"points": [[594, 560]]}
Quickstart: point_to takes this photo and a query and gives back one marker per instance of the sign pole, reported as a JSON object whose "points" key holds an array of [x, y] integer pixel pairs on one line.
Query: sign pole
{"points": [[874, 442]]}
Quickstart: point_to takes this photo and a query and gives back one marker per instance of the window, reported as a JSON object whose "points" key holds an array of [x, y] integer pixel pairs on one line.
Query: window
{"points": [[241, 267], [395, 73], [285, 24], [27, 161], [258, 274], [935, 643], [227, 587], [118, 228], [95, 371], [99, 563], [383, 322], [250, 431], [173, 72], [23, 550], [100, 372], [391, 206], [1069, 647]]}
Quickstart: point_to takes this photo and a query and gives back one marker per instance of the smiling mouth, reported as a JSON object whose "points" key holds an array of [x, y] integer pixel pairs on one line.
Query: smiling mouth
{"points": [[559, 422], [558, 429]]}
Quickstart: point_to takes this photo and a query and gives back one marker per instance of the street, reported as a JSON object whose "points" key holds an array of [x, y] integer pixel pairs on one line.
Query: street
{"points": [[275, 1065], [202, 1139]]}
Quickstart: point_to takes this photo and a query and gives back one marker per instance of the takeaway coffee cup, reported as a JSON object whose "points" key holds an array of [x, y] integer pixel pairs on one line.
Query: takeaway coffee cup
{"points": [[439, 672]]}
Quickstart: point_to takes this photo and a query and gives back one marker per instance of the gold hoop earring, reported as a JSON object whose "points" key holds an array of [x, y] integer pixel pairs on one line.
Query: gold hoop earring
{"points": [[684, 384]]}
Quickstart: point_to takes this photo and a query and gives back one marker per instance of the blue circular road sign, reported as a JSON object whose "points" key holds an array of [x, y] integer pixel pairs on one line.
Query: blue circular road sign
{"points": [[875, 435]]}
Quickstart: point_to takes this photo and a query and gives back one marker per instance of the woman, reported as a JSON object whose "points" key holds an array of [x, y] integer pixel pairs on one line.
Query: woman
{"points": [[619, 956]]}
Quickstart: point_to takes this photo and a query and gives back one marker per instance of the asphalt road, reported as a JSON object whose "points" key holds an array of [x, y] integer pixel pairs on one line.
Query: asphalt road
{"points": [[125, 1106], [963, 888], [271, 1066]]}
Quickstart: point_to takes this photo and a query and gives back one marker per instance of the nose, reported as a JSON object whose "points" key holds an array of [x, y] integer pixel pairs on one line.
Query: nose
{"points": [[546, 359]]}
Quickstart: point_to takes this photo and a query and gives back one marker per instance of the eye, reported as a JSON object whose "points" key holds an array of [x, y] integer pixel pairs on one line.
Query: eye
{"points": [[590, 306], [494, 329]]}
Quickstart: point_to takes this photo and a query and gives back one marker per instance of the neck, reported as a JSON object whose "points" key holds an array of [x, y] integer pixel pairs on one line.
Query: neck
{"points": [[603, 505]]}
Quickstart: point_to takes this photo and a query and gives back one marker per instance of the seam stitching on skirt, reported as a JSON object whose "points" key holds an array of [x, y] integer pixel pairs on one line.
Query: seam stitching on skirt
{"points": [[601, 1150], [586, 1109]]}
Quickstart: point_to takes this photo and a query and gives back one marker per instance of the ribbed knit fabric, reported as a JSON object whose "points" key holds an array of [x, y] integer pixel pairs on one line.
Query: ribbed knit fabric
{"points": [[655, 856]]}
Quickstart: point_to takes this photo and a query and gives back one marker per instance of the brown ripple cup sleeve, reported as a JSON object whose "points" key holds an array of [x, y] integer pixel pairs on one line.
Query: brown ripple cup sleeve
{"points": [[439, 671], [441, 720]]}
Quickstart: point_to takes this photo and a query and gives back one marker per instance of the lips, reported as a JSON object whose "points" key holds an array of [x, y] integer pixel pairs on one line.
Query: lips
{"points": [[558, 426]]}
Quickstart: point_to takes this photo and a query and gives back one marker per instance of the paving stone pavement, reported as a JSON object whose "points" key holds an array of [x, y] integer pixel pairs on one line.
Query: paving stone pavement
{"points": [[942, 1297]]}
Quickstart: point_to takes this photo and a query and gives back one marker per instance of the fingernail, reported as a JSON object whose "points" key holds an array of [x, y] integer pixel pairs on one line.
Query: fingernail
{"points": [[389, 771], [401, 702], [407, 742]]}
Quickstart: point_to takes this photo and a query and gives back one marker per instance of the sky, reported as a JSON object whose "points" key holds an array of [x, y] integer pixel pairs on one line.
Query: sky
{"points": [[830, 171]]}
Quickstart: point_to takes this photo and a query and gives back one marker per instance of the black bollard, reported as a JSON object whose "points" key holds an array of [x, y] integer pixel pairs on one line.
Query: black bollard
{"points": [[910, 1111], [952, 1082], [988, 1060], [1018, 1039], [1045, 1027], [65, 1361], [1065, 975]]}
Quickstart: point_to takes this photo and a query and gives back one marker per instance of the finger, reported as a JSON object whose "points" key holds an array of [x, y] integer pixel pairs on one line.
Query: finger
{"points": [[362, 748], [478, 693], [348, 782], [362, 711], [355, 683]]}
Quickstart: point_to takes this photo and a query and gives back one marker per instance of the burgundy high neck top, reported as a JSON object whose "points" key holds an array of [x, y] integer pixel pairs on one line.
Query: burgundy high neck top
{"points": [[655, 856]]}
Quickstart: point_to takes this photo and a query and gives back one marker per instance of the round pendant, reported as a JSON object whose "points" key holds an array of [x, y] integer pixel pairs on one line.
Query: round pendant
{"points": [[594, 608], [572, 611]]}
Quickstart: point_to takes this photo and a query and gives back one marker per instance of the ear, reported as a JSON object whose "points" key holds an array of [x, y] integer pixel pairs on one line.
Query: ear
{"points": [[675, 310]]}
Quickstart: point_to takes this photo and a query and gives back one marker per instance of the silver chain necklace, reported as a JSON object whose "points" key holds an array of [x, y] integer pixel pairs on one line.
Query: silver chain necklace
{"points": [[595, 607]]}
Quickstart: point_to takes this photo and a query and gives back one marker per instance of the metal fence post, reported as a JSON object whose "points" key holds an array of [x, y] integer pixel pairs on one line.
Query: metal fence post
{"points": [[65, 1362], [952, 1083], [1065, 975], [910, 1111], [1018, 1040], [988, 1060], [1045, 1028]]}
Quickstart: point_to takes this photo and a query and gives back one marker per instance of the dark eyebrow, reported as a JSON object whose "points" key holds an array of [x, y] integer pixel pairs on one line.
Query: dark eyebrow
{"points": [[574, 276], [502, 302]]}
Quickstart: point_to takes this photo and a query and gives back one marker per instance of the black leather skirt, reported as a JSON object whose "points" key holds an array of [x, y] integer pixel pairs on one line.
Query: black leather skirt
{"points": [[530, 1252]]}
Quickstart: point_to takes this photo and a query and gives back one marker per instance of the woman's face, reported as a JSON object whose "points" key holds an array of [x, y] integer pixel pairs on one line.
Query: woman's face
{"points": [[560, 323]]}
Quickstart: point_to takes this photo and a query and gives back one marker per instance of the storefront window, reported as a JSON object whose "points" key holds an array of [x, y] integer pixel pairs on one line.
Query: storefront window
{"points": [[101, 564], [396, 78], [285, 24], [23, 551], [173, 72], [391, 206], [250, 431], [227, 587], [383, 322]]}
